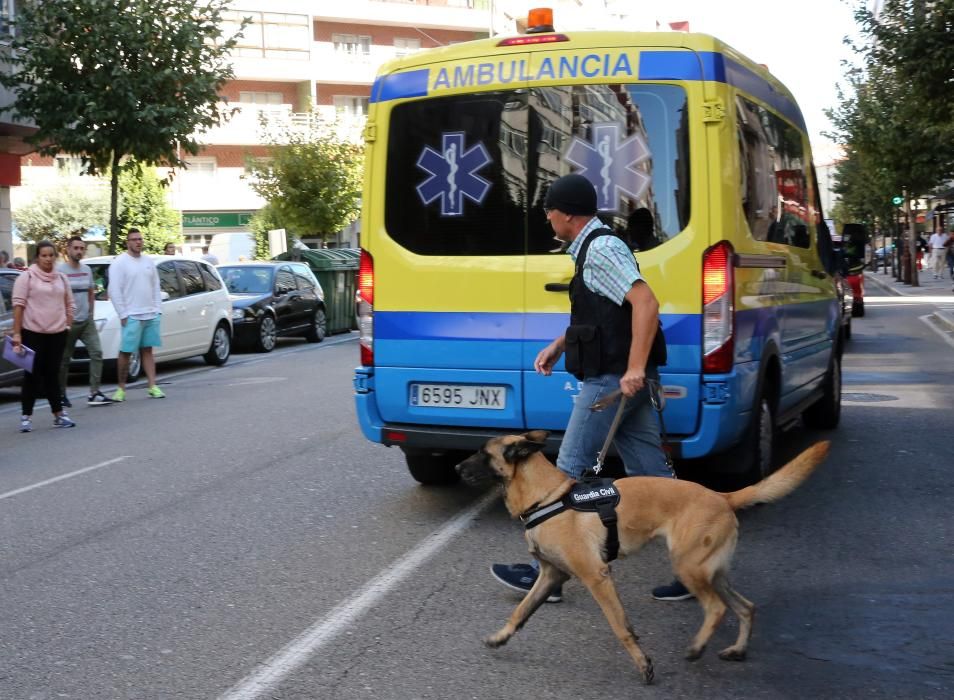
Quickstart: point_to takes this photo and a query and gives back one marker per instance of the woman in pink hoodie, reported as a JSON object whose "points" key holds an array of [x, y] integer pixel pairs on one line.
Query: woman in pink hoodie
{"points": [[42, 312]]}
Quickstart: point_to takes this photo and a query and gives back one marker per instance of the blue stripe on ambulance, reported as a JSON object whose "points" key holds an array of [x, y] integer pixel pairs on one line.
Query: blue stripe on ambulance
{"points": [[653, 65]]}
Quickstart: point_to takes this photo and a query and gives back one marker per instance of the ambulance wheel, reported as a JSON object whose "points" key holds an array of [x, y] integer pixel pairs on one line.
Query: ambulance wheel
{"points": [[753, 458], [826, 412], [433, 468]]}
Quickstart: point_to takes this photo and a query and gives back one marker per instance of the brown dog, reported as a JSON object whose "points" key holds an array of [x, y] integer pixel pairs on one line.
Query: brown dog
{"points": [[699, 527]]}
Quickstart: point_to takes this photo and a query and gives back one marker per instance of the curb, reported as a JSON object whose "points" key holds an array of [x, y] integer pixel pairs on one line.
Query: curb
{"points": [[885, 286]]}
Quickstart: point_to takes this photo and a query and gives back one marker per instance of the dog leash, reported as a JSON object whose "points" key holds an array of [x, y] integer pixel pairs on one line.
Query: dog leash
{"points": [[658, 402], [599, 406]]}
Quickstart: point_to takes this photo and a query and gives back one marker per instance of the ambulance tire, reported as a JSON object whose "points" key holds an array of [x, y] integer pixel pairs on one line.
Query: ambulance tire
{"points": [[825, 413], [433, 468], [753, 458]]}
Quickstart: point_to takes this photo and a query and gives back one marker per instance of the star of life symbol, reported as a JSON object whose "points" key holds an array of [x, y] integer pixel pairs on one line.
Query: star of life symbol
{"points": [[608, 164], [453, 174]]}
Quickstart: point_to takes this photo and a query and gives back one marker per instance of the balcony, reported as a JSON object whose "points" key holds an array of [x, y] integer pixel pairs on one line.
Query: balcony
{"points": [[463, 15], [251, 126]]}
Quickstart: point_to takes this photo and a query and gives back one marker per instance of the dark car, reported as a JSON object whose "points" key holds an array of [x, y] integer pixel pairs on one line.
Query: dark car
{"points": [[10, 374], [270, 299]]}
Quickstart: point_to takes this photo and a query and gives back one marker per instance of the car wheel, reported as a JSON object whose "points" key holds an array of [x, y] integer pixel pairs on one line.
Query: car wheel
{"points": [[221, 346], [826, 412], [267, 334], [858, 308], [753, 458], [433, 469], [319, 327]]}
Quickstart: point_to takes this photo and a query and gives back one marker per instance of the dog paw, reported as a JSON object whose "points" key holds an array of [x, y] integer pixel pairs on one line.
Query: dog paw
{"points": [[648, 673], [692, 654], [495, 641], [731, 654]]}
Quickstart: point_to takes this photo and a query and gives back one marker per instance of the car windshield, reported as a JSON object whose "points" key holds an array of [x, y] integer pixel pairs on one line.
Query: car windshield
{"points": [[100, 279], [247, 280]]}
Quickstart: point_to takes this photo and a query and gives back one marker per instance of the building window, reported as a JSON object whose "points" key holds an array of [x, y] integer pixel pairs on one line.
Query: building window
{"points": [[268, 101], [269, 34], [200, 168], [351, 105], [7, 13], [352, 44], [404, 46]]}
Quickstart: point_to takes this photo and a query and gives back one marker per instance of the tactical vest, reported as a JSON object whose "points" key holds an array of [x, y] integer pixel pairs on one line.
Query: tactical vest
{"points": [[600, 333]]}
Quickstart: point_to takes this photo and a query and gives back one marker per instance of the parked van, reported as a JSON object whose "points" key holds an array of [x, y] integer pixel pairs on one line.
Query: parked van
{"points": [[232, 247], [700, 160]]}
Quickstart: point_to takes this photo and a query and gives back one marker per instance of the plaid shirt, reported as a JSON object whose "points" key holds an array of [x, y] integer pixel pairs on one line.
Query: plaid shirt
{"points": [[610, 268]]}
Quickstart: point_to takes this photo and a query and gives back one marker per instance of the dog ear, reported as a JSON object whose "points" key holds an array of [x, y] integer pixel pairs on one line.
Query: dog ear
{"points": [[520, 451]]}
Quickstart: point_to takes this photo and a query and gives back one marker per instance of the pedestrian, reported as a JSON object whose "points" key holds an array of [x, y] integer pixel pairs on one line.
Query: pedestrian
{"points": [[949, 256], [170, 249], [80, 277], [18, 264], [210, 258], [938, 244], [610, 344], [43, 310], [922, 249], [4, 258], [134, 291]]}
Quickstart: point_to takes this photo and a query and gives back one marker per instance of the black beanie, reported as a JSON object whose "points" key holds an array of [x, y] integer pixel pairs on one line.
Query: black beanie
{"points": [[571, 194]]}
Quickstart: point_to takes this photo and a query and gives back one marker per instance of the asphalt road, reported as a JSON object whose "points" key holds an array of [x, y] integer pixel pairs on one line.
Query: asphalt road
{"points": [[241, 539]]}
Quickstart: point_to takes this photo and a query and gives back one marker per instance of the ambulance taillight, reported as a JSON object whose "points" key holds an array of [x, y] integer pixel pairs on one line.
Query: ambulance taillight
{"points": [[366, 308], [718, 309]]}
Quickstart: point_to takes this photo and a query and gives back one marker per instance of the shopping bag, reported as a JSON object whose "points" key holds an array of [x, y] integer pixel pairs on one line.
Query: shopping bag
{"points": [[23, 360]]}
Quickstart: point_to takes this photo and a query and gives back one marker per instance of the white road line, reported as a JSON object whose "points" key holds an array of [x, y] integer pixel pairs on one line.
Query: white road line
{"points": [[47, 482], [933, 326], [298, 651]]}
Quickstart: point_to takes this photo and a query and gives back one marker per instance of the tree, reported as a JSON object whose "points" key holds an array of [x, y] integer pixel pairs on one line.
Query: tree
{"points": [[62, 210], [107, 79], [263, 221], [312, 182], [142, 204]]}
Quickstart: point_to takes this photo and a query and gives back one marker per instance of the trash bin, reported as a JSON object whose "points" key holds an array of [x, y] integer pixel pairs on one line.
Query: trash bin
{"points": [[336, 269]]}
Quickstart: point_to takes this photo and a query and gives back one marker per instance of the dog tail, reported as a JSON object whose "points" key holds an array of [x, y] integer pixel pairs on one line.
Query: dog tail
{"points": [[783, 481]]}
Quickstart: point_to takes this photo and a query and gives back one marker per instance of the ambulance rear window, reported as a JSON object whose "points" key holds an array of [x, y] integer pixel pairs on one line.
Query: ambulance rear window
{"points": [[467, 174]]}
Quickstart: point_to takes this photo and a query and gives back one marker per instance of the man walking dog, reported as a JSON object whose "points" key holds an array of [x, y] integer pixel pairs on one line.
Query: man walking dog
{"points": [[611, 345]]}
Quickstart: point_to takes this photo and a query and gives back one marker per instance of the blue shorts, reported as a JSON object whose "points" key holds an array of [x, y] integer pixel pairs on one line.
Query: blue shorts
{"points": [[140, 334]]}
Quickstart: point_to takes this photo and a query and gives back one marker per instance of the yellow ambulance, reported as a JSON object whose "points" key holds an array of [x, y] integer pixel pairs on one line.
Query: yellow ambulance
{"points": [[701, 162]]}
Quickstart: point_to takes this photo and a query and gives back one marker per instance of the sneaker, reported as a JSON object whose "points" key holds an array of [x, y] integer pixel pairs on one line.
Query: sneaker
{"points": [[118, 395], [98, 398], [672, 591], [156, 393], [26, 424], [521, 577], [65, 401], [63, 421]]}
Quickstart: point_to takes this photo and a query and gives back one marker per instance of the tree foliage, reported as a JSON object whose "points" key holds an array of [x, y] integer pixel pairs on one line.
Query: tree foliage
{"points": [[142, 204], [263, 221], [106, 79], [312, 181], [895, 119], [67, 208]]}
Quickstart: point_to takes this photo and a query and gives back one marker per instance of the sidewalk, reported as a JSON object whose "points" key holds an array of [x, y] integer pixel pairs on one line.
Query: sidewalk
{"points": [[940, 290]]}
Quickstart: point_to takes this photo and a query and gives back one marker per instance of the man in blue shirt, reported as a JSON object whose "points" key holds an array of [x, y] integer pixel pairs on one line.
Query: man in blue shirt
{"points": [[614, 317]]}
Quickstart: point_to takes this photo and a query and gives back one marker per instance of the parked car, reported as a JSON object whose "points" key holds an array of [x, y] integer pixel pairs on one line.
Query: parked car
{"points": [[270, 299], [196, 314], [10, 374]]}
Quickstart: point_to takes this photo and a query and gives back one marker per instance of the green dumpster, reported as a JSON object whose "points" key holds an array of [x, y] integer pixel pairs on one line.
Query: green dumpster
{"points": [[336, 269]]}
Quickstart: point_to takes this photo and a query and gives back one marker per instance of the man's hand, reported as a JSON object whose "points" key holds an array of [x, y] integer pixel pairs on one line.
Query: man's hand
{"points": [[632, 381], [548, 357], [122, 321]]}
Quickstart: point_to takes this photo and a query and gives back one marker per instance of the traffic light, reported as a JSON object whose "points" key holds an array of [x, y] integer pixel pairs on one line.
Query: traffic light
{"points": [[897, 201]]}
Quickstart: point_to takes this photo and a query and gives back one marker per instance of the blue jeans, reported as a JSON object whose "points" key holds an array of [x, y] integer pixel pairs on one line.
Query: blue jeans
{"points": [[637, 438]]}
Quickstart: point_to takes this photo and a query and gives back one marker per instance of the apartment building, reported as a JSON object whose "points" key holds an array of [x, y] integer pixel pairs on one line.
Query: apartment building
{"points": [[12, 145]]}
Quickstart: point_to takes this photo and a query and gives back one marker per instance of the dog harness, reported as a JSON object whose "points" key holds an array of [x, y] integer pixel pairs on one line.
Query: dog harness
{"points": [[590, 495]]}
